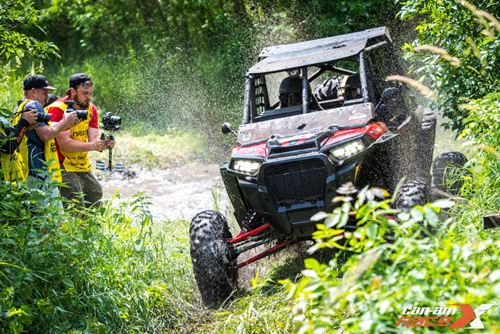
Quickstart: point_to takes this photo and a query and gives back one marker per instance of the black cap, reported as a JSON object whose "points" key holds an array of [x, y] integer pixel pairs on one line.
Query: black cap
{"points": [[36, 81], [78, 79]]}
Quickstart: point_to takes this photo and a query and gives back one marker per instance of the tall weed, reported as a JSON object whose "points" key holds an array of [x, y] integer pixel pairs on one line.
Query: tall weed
{"points": [[113, 272]]}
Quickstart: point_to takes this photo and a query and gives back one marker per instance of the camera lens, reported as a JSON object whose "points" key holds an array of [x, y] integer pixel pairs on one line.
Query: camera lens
{"points": [[43, 117], [81, 114]]}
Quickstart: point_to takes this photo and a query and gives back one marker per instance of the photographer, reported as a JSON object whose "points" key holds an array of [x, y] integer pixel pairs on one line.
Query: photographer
{"points": [[11, 163], [74, 144], [39, 150]]}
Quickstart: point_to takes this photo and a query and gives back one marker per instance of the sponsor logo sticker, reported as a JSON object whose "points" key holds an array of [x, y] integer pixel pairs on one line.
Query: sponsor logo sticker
{"points": [[444, 316]]}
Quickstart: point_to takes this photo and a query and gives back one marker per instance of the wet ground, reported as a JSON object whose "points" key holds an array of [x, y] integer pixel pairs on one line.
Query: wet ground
{"points": [[182, 192], [175, 193]]}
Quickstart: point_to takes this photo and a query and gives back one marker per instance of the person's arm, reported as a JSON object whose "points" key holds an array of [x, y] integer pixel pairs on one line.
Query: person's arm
{"points": [[11, 142], [10, 145], [70, 145], [47, 133]]}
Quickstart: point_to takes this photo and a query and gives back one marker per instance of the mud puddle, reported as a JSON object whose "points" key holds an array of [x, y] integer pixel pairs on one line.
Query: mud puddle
{"points": [[175, 193]]}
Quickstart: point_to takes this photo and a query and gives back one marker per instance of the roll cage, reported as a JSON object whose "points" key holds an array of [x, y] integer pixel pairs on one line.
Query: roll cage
{"points": [[366, 50]]}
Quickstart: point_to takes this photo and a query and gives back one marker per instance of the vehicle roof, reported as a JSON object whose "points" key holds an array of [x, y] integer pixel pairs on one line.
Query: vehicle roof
{"points": [[319, 51]]}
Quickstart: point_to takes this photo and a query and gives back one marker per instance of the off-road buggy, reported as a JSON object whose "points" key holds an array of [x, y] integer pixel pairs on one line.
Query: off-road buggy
{"points": [[291, 158]]}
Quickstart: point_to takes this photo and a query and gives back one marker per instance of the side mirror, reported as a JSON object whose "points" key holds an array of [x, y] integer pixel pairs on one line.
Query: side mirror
{"points": [[388, 93], [226, 128]]}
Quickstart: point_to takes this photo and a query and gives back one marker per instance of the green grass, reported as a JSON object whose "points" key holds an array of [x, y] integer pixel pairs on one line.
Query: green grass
{"points": [[111, 270], [140, 271], [159, 151]]}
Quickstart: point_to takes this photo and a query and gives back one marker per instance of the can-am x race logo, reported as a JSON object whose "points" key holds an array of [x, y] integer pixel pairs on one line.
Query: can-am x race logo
{"points": [[442, 316]]}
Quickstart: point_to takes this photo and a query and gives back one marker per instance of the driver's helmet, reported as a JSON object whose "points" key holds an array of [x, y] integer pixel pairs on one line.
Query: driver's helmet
{"points": [[291, 91], [353, 87]]}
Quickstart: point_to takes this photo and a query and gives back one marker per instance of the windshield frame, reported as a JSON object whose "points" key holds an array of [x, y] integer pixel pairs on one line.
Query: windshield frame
{"points": [[250, 108]]}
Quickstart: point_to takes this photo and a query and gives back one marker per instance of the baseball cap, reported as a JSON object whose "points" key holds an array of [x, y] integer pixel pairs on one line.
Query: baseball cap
{"points": [[77, 79], [36, 81]]}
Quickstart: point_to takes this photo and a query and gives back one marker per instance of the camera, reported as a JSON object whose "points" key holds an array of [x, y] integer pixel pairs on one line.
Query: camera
{"points": [[81, 114], [491, 222], [111, 122], [43, 117]]}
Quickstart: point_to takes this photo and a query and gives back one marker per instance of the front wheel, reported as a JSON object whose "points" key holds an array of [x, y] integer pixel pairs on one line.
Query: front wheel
{"points": [[210, 253], [410, 194]]}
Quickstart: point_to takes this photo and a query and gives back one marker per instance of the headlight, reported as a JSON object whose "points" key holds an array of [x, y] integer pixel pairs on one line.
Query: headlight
{"points": [[248, 167], [348, 150]]}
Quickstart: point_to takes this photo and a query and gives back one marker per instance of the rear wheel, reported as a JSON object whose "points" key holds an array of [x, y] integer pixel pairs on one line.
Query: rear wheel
{"points": [[446, 172], [410, 194], [210, 254]]}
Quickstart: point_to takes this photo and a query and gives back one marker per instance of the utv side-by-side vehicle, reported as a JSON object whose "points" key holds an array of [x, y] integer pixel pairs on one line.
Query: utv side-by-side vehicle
{"points": [[317, 114]]}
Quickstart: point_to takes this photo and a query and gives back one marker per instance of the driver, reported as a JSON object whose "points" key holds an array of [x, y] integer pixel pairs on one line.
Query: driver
{"points": [[290, 92], [352, 89]]}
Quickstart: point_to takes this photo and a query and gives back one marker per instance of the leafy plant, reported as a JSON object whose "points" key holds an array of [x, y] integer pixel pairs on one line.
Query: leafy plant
{"points": [[465, 67], [15, 15], [114, 271], [425, 264]]}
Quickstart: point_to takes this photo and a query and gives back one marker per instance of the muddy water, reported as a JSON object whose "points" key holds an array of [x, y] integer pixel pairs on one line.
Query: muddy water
{"points": [[180, 193], [175, 193]]}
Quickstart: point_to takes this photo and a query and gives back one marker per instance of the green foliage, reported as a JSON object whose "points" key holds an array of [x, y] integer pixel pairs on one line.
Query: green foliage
{"points": [[15, 15], [428, 263], [466, 33], [182, 63], [113, 272]]}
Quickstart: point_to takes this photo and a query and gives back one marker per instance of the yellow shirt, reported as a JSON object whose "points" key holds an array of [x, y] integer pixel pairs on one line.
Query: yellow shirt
{"points": [[76, 161], [15, 166]]}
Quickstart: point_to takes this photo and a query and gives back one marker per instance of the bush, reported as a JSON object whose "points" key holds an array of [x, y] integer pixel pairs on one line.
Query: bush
{"points": [[467, 65], [428, 263], [112, 272]]}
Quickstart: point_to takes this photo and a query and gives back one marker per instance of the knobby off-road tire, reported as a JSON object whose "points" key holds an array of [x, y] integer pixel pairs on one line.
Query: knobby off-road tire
{"points": [[410, 194], [209, 254], [446, 170]]}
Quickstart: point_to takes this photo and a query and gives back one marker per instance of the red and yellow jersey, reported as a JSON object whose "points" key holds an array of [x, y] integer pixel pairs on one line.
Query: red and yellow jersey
{"points": [[74, 161]]}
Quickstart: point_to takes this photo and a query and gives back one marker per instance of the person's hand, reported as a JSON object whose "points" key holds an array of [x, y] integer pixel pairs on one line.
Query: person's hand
{"points": [[70, 119], [100, 145], [32, 126], [31, 116], [111, 143]]}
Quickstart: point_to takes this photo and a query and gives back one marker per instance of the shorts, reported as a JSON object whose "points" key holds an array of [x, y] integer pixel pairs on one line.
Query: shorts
{"points": [[81, 187]]}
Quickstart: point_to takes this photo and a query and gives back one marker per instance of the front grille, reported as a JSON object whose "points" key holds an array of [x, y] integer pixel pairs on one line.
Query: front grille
{"points": [[296, 180], [279, 150]]}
